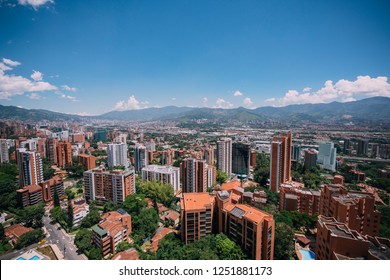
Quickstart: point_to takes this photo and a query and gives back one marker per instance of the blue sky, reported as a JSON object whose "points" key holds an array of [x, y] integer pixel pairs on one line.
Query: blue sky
{"points": [[91, 57]]}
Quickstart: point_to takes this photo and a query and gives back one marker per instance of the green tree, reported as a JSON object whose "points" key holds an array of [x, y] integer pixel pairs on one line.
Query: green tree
{"points": [[31, 216], [48, 172], [56, 199], [70, 214], [227, 249], [95, 253], [83, 239], [92, 218], [123, 246], [30, 238], [221, 177], [144, 224], [109, 206], [134, 203], [57, 214], [284, 243], [2, 236]]}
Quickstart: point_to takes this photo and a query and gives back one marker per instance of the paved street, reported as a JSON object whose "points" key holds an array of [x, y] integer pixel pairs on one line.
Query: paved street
{"points": [[56, 235], [16, 253]]}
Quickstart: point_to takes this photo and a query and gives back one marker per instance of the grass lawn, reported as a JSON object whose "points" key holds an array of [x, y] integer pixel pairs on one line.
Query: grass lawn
{"points": [[46, 250]]}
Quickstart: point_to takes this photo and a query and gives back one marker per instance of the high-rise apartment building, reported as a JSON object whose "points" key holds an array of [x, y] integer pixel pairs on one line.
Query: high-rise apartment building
{"points": [[151, 146], [310, 159], [113, 228], [209, 154], [224, 155], [253, 160], [51, 150], [164, 174], [140, 158], [88, 161], [64, 154], [4, 155], [103, 185], [299, 199], [296, 152], [197, 210], [117, 155], [280, 165], [249, 227], [30, 167], [241, 158], [193, 175], [356, 209], [167, 157], [362, 147], [347, 147], [336, 241], [327, 156], [211, 175], [380, 151]]}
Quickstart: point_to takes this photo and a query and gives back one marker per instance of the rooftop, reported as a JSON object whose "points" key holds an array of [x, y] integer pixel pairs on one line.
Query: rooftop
{"points": [[196, 201], [129, 255]]}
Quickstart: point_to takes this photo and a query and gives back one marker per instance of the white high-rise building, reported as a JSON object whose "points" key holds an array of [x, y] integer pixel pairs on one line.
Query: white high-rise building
{"points": [[164, 174], [224, 151], [151, 146], [30, 167], [4, 156], [327, 156], [140, 157], [117, 154]]}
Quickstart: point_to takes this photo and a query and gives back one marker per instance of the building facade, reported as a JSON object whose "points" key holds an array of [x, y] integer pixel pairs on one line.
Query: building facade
{"points": [[163, 174], [30, 167], [117, 155], [224, 155], [140, 158], [280, 165], [103, 185], [193, 175], [241, 158], [327, 156]]}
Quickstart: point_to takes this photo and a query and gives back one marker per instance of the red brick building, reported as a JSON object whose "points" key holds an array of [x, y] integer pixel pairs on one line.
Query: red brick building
{"points": [[88, 161], [113, 228], [299, 199], [336, 241], [64, 154], [356, 209], [280, 165]]}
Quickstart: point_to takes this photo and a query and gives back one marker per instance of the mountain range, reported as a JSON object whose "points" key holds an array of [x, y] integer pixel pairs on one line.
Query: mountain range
{"points": [[370, 109]]}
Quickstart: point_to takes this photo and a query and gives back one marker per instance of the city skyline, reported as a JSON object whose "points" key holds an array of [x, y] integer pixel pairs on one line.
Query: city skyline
{"points": [[133, 55]]}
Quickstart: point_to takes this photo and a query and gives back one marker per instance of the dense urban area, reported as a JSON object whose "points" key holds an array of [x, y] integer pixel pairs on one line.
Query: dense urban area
{"points": [[193, 190]]}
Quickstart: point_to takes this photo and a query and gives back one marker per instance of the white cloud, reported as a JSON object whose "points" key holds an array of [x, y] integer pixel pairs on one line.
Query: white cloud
{"points": [[272, 99], [34, 3], [237, 93], [343, 91], [68, 88], [34, 96], [131, 104], [221, 103], [306, 89], [11, 85], [248, 102], [173, 98], [69, 97], [36, 76], [11, 62]]}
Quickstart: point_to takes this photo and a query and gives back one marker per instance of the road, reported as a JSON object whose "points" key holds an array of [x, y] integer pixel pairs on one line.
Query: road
{"points": [[17, 253], [56, 235], [365, 159]]}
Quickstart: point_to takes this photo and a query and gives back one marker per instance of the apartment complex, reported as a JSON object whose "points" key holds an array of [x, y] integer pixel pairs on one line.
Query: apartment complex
{"points": [[44, 192], [141, 158], [193, 175], [310, 159], [356, 209], [30, 167], [4, 156], [197, 210], [327, 156], [280, 165], [297, 198], [249, 227], [117, 155], [64, 154], [224, 155], [241, 158], [164, 174], [88, 161], [51, 150], [113, 228], [103, 185], [336, 241]]}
